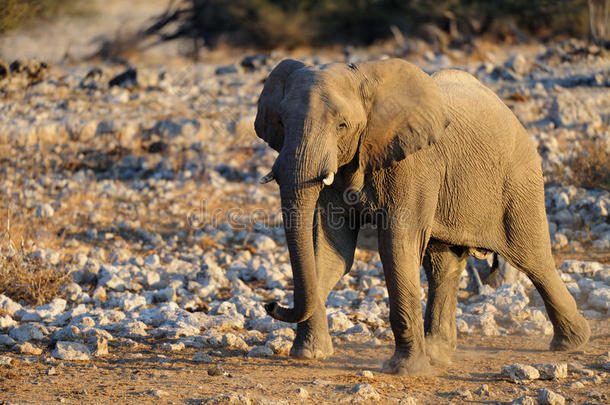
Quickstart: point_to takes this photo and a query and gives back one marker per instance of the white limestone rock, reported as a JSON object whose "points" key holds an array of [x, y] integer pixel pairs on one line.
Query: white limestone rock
{"points": [[579, 267], [263, 243], [126, 301], [365, 392], [548, 397], [260, 351], [27, 332], [8, 305], [520, 372], [202, 357], [71, 351], [6, 340], [279, 345], [28, 348], [550, 371], [97, 345], [338, 322], [6, 321], [600, 299], [510, 298]]}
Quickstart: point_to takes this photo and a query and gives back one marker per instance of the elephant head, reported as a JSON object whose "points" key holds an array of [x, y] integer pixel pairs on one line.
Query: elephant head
{"points": [[369, 116]]}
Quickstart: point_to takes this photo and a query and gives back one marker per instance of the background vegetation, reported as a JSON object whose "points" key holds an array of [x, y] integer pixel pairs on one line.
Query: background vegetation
{"points": [[271, 23], [15, 13]]}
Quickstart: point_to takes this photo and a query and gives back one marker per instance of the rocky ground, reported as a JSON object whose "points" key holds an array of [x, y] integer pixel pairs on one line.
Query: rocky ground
{"points": [[136, 184]]}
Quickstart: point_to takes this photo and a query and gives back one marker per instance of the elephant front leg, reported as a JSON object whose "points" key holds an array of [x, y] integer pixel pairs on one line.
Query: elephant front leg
{"points": [[444, 265], [401, 257], [334, 250], [312, 339]]}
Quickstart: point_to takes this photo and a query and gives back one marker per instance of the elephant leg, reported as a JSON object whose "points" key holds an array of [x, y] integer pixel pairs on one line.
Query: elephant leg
{"points": [[334, 250], [571, 330], [444, 265], [529, 249], [401, 254], [312, 339]]}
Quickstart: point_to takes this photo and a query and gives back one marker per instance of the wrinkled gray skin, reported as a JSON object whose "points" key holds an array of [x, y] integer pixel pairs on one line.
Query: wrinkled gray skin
{"points": [[449, 172]]}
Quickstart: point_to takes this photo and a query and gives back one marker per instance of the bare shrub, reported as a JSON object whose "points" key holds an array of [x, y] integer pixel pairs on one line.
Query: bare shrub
{"points": [[599, 20], [590, 167], [15, 13], [28, 279], [25, 277]]}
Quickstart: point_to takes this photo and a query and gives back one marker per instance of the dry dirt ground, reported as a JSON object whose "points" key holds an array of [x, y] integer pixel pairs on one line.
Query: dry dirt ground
{"points": [[143, 375], [148, 374]]}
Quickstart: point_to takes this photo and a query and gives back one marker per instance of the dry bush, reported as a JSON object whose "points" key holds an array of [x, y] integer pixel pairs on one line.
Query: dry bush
{"points": [[599, 20], [591, 166], [25, 278], [16, 13], [273, 23]]}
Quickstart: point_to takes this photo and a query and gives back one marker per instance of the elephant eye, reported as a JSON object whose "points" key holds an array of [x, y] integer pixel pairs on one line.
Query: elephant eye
{"points": [[342, 125]]}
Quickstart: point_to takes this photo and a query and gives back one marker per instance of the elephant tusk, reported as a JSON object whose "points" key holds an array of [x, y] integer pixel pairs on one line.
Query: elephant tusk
{"points": [[267, 178], [328, 180]]}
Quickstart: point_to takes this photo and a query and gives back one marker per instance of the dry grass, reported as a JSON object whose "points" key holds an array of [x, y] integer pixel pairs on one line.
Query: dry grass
{"points": [[591, 167], [27, 279], [16, 13], [24, 277], [208, 242]]}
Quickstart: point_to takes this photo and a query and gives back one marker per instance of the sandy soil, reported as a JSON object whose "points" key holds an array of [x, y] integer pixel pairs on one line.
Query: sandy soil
{"points": [[142, 374]]}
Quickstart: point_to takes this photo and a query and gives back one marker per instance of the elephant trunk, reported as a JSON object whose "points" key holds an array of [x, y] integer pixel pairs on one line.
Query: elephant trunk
{"points": [[298, 211]]}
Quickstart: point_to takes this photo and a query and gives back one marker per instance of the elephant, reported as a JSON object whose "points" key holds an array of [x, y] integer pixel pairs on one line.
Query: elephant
{"points": [[442, 168]]}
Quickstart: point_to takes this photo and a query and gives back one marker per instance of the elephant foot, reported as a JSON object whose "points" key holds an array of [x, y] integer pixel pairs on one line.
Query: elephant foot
{"points": [[575, 335], [439, 351], [312, 348], [402, 364]]}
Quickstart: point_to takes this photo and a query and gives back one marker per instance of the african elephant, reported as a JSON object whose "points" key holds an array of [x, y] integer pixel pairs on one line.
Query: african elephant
{"points": [[438, 163]]}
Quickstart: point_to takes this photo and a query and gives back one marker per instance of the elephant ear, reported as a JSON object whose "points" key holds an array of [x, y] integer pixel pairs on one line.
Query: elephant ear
{"points": [[406, 113], [267, 124]]}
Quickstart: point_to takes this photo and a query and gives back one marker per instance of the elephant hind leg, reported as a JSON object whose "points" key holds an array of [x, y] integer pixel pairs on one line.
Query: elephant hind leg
{"points": [[571, 330], [444, 265], [528, 248]]}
